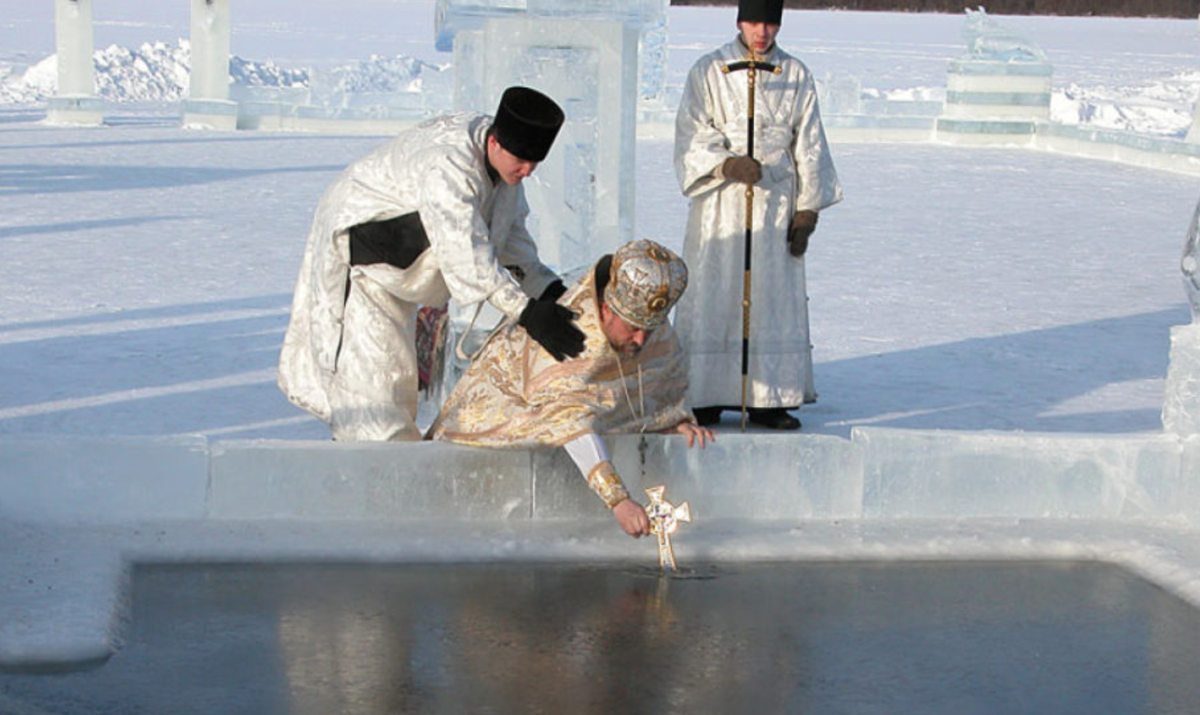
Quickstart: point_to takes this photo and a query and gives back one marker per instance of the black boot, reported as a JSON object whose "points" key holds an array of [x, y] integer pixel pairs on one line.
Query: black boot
{"points": [[706, 416], [773, 418]]}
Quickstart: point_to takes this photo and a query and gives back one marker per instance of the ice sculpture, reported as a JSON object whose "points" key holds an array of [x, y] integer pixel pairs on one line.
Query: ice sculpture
{"points": [[1001, 83], [989, 40]]}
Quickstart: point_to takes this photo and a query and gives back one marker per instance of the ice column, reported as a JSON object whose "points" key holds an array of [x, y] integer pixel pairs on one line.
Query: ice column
{"points": [[208, 104], [1181, 406], [75, 102]]}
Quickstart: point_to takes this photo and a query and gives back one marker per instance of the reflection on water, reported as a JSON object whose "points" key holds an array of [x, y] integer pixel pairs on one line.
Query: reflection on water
{"points": [[814, 638]]}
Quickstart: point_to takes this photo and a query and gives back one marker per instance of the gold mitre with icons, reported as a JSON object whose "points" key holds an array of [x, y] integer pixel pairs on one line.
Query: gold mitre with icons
{"points": [[645, 281]]}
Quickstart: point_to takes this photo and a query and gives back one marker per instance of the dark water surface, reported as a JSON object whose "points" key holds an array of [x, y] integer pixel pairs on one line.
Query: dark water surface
{"points": [[857, 638]]}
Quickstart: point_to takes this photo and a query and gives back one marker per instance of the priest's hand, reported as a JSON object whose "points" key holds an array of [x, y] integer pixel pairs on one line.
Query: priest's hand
{"points": [[802, 226], [695, 432], [742, 169], [632, 518], [552, 326]]}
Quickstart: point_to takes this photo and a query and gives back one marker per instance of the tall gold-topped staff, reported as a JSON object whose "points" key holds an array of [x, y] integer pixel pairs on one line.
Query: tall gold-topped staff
{"points": [[752, 65]]}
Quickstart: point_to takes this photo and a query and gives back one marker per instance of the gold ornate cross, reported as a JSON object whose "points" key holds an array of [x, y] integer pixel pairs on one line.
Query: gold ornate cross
{"points": [[664, 520]]}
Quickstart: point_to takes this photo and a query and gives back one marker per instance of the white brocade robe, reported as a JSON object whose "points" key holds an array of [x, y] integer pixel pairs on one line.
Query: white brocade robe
{"points": [[798, 174], [349, 352]]}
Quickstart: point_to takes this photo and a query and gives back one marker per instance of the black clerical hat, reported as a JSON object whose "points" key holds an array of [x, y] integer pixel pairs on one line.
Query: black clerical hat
{"points": [[768, 11], [527, 122]]}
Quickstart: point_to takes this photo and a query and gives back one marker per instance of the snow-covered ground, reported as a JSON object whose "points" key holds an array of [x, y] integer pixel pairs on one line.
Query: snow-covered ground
{"points": [[148, 268]]}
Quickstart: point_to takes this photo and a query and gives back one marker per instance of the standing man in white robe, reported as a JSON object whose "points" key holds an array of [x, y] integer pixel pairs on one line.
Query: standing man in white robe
{"points": [[437, 212], [793, 178]]}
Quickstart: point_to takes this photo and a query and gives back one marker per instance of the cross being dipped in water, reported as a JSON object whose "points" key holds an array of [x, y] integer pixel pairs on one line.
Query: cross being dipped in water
{"points": [[664, 520]]}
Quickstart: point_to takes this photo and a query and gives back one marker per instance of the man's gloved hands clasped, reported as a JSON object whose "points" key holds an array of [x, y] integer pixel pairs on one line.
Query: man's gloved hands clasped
{"points": [[742, 169], [802, 226], [551, 325]]}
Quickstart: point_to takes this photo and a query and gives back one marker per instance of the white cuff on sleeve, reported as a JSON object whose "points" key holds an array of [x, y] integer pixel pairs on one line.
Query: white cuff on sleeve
{"points": [[587, 451]]}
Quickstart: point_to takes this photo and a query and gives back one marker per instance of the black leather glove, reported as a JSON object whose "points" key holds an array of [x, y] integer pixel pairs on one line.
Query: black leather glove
{"points": [[743, 169], [802, 226], [553, 292], [551, 325]]}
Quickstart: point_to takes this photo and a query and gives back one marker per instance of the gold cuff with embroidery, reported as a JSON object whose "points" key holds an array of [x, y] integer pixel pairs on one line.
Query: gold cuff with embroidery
{"points": [[604, 480]]}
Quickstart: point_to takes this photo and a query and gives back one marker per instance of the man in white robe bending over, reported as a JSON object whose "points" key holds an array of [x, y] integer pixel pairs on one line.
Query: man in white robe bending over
{"points": [[437, 212]]}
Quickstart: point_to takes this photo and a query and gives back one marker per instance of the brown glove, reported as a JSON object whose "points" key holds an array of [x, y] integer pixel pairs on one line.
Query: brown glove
{"points": [[742, 169], [802, 226]]}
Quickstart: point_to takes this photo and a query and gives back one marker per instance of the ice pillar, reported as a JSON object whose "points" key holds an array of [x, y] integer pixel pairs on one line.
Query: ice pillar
{"points": [[75, 102], [208, 103]]}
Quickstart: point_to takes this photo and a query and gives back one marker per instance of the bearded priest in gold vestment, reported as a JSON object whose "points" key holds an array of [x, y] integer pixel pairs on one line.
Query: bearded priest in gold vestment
{"points": [[631, 377]]}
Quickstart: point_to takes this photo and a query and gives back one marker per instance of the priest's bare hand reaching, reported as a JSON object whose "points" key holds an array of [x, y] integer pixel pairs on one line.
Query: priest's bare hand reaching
{"points": [[694, 433], [632, 518]]}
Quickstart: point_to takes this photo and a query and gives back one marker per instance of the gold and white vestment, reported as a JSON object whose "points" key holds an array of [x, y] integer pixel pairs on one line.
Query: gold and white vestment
{"points": [[516, 395]]}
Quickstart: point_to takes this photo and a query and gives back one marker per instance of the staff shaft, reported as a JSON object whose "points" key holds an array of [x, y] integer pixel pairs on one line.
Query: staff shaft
{"points": [[752, 65], [748, 243]]}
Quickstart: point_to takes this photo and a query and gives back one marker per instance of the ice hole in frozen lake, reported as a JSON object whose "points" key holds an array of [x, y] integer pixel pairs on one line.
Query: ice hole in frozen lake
{"points": [[914, 637]]}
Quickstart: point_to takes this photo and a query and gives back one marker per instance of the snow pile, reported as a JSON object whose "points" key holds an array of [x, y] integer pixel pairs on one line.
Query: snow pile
{"points": [[375, 79], [153, 72], [32, 86], [159, 72], [1162, 107], [383, 74], [247, 73], [912, 94]]}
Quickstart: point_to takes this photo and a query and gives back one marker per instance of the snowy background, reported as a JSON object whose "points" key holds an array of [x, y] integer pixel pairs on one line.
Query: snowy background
{"points": [[147, 270]]}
